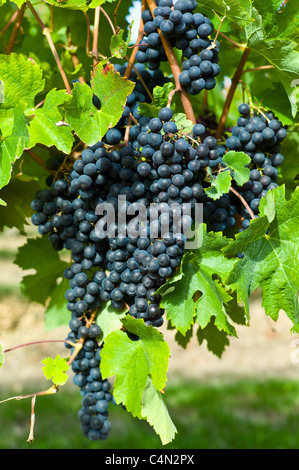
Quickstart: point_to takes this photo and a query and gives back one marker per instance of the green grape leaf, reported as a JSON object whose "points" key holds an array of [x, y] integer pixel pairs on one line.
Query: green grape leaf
{"points": [[22, 79], [82, 5], [156, 413], [268, 207], [109, 319], [237, 161], [274, 97], [56, 369], [282, 54], [289, 170], [161, 95], [56, 312], [219, 185], [96, 3], [268, 32], [18, 195], [68, 66], [147, 109], [195, 294], [13, 144], [271, 257], [132, 361], [112, 90], [160, 100], [37, 254], [184, 125], [177, 298], [118, 45], [47, 126]]}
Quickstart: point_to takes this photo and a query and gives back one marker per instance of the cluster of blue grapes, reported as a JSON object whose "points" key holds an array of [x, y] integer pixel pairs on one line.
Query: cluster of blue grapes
{"points": [[95, 390], [260, 136], [159, 170], [186, 31]]}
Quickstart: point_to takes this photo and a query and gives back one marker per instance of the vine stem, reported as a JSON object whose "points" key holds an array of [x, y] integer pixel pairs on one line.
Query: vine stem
{"points": [[47, 33], [95, 52], [234, 43], [231, 92], [16, 29], [12, 19], [175, 68], [49, 391], [108, 19], [39, 342], [115, 14], [170, 96], [127, 133], [32, 420], [87, 48], [262, 67], [243, 201], [78, 346]]}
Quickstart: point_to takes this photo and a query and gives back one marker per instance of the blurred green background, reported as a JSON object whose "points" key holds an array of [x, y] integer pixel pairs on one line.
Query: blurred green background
{"points": [[248, 399]]}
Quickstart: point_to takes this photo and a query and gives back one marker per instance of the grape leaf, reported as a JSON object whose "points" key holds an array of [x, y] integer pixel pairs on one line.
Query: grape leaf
{"points": [[274, 97], [82, 5], [56, 369], [112, 90], [289, 170], [237, 162], [47, 126], [177, 297], [147, 109], [109, 319], [161, 95], [271, 257], [71, 71], [155, 412], [184, 125], [18, 195], [118, 45], [12, 144], [160, 100], [56, 313], [197, 275], [37, 254], [133, 361], [282, 54], [219, 185], [254, 19], [22, 79]]}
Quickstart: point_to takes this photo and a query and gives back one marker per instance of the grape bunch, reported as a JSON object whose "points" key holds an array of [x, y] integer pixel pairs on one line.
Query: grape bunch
{"points": [[160, 173], [260, 136], [186, 31], [96, 394]]}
